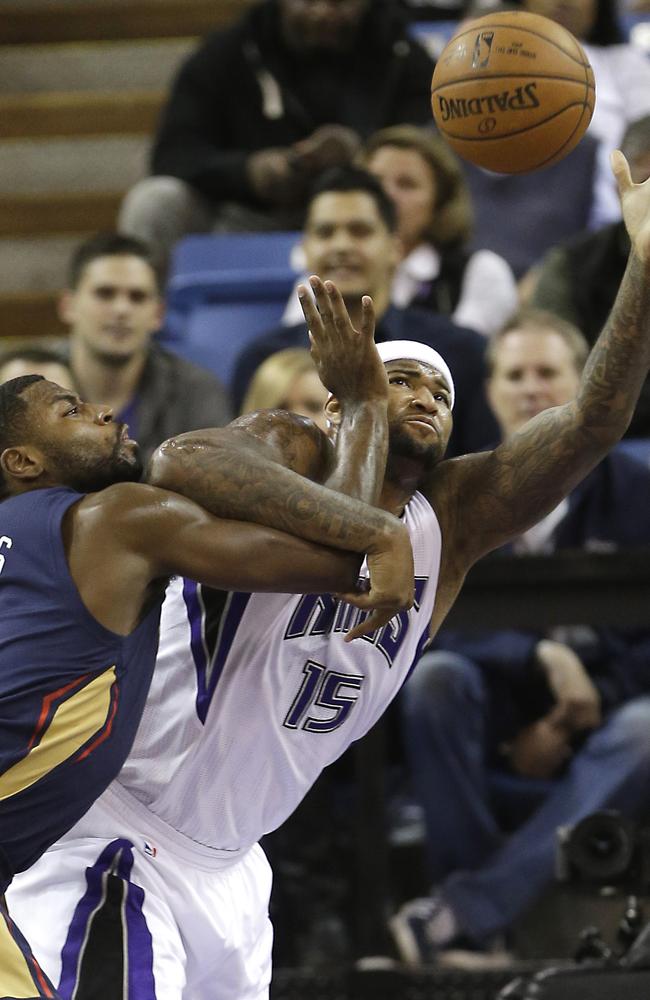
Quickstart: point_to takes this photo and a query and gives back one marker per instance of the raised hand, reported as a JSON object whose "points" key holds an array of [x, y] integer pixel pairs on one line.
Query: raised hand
{"points": [[347, 360], [635, 205]]}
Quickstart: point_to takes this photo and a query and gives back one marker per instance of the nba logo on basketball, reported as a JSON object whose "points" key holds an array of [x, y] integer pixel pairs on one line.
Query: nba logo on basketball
{"points": [[482, 49]]}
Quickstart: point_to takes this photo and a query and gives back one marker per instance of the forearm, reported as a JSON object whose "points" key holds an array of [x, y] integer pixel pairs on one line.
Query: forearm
{"points": [[619, 362], [361, 452], [232, 479]]}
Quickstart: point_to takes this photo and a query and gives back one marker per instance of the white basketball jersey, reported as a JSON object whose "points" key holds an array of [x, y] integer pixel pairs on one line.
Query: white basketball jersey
{"points": [[254, 694]]}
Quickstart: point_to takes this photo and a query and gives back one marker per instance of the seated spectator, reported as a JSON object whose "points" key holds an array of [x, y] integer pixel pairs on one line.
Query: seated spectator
{"points": [[578, 279], [565, 711], [520, 216], [434, 214], [577, 193], [112, 307], [350, 238], [288, 380], [34, 359], [621, 70], [266, 104]]}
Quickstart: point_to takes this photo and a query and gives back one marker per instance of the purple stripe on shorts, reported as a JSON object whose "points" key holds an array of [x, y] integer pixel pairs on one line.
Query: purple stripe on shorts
{"points": [[139, 946], [116, 859]]}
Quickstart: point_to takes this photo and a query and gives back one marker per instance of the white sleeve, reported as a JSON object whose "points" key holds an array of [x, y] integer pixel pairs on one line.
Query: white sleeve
{"points": [[488, 295]]}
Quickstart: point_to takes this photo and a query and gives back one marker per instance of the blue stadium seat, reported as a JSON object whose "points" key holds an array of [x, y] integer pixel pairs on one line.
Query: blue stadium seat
{"points": [[225, 289], [216, 333], [638, 448]]}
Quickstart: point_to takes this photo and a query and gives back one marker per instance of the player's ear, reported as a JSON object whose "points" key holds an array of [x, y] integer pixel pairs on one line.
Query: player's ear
{"points": [[333, 411], [21, 462]]}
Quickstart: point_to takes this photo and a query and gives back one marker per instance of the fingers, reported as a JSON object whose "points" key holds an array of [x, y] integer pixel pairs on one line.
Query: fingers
{"points": [[309, 310], [621, 171], [375, 620], [367, 317]]}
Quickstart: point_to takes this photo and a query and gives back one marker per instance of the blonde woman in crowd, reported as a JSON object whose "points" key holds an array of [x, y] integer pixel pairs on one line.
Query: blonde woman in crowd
{"points": [[288, 380]]}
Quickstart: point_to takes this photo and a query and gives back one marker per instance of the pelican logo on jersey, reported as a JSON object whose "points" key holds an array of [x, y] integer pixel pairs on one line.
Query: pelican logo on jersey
{"points": [[77, 717], [321, 614]]}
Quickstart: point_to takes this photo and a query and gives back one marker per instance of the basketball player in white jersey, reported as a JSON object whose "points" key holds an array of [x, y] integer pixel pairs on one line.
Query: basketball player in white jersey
{"points": [[160, 891]]}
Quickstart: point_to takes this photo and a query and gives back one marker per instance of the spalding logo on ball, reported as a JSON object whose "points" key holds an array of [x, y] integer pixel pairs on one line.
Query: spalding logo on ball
{"points": [[513, 92]]}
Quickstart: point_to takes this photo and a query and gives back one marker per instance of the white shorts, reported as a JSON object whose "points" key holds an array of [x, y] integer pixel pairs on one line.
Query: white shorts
{"points": [[125, 906]]}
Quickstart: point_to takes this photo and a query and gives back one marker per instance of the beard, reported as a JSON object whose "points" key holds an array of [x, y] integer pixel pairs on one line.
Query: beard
{"points": [[402, 445], [87, 473]]}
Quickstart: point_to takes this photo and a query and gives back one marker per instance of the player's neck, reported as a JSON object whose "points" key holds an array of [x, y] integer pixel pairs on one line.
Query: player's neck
{"points": [[98, 382], [404, 476]]}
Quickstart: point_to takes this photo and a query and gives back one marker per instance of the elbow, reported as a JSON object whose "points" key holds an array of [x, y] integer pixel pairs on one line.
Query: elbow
{"points": [[165, 468]]}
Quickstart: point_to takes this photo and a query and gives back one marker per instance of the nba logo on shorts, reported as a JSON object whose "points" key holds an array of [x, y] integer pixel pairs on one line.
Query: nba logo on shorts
{"points": [[150, 850], [482, 49]]}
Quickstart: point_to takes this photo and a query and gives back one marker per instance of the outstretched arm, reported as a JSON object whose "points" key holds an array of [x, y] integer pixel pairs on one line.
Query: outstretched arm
{"points": [[490, 498]]}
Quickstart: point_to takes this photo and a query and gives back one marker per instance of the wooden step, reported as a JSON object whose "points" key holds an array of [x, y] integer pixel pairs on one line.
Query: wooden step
{"points": [[25, 116], [84, 163], [29, 314], [39, 263], [110, 20], [62, 212], [135, 64]]}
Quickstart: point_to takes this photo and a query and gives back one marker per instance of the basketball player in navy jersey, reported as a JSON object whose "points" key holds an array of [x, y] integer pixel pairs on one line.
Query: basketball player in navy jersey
{"points": [[255, 693], [86, 553]]}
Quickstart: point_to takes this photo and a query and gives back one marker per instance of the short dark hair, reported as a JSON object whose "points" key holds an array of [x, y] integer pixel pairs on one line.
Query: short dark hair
{"points": [[111, 245], [344, 179], [39, 355], [13, 413]]}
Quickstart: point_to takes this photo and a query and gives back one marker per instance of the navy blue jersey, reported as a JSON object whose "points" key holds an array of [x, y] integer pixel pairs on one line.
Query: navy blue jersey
{"points": [[71, 691]]}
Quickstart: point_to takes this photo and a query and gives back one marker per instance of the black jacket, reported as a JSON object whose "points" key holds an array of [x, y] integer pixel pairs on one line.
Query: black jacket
{"points": [[219, 110], [462, 349], [175, 396]]}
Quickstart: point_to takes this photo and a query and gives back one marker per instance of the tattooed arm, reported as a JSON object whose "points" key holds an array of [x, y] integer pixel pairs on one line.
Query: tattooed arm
{"points": [[487, 499], [256, 469], [252, 464]]}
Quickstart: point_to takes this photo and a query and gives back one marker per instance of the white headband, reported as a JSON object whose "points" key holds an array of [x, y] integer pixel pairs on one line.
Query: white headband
{"points": [[394, 350]]}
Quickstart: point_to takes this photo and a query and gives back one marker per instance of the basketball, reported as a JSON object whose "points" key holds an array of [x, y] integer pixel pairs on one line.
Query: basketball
{"points": [[513, 92]]}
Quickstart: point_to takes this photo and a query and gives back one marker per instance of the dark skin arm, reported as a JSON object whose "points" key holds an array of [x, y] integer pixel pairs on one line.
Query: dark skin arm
{"points": [[485, 500], [140, 535]]}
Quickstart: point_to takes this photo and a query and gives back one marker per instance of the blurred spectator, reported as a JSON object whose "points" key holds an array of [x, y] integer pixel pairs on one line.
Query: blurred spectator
{"points": [[566, 714], [434, 215], [579, 279], [266, 104], [34, 359], [621, 70], [288, 380], [520, 216], [113, 307], [350, 238]]}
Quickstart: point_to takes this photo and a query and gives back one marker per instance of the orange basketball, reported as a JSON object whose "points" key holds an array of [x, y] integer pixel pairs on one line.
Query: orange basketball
{"points": [[513, 92]]}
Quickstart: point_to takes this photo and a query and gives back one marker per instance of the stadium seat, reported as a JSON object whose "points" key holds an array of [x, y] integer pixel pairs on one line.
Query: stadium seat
{"points": [[223, 290], [216, 333], [638, 448]]}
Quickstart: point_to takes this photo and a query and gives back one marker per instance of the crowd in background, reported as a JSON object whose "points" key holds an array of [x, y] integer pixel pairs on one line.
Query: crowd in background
{"points": [[283, 122]]}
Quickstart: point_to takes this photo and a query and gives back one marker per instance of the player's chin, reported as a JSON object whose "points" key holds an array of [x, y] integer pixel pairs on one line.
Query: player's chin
{"points": [[409, 443], [128, 462]]}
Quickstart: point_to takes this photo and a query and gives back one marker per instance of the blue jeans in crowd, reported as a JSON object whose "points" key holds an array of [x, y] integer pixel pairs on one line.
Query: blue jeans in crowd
{"points": [[488, 878]]}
